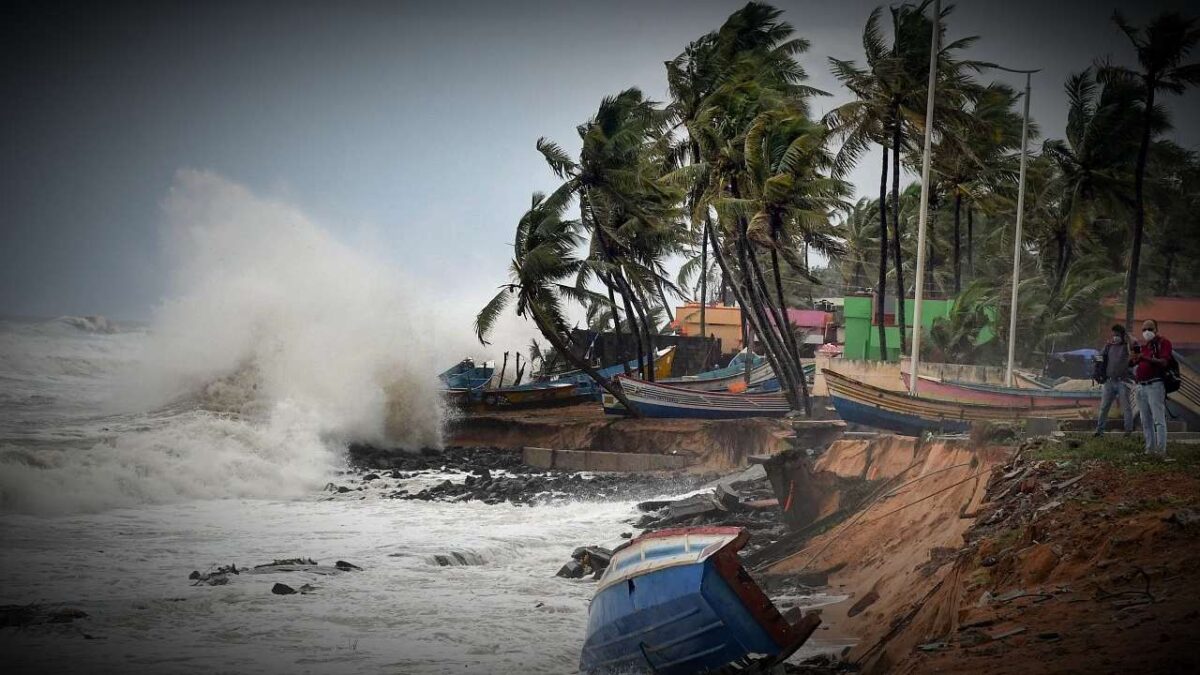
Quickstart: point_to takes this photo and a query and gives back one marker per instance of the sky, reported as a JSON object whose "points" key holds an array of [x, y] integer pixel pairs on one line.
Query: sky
{"points": [[406, 129]]}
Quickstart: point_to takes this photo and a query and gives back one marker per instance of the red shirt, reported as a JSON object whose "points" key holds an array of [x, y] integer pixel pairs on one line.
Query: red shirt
{"points": [[1159, 347]]}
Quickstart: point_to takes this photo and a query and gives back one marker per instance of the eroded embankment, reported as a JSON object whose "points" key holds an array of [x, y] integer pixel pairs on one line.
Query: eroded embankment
{"points": [[715, 445], [895, 541], [960, 558]]}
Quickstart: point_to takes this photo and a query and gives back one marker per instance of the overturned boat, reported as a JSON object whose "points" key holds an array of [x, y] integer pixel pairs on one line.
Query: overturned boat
{"points": [[679, 601]]}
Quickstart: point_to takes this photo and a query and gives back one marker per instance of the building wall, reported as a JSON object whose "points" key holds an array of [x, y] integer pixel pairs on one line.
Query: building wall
{"points": [[721, 322], [692, 354], [862, 336]]}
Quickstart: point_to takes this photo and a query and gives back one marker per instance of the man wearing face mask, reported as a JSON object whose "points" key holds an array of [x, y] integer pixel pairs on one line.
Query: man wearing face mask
{"points": [[1114, 370], [1150, 362]]}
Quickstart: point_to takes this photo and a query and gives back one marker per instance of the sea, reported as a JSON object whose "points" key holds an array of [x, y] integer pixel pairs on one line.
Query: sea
{"points": [[108, 510]]}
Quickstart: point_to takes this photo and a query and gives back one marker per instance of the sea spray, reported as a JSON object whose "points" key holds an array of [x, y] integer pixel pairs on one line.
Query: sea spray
{"points": [[278, 345]]}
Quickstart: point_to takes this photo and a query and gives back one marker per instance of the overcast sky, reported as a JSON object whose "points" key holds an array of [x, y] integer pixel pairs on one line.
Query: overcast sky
{"points": [[404, 127]]}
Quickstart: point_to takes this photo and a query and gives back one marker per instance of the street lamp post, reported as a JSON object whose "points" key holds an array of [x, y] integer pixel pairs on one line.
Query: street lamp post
{"points": [[1016, 275]]}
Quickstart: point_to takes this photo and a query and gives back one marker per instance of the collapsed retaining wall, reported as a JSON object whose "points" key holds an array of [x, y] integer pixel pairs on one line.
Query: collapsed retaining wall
{"points": [[716, 445]]}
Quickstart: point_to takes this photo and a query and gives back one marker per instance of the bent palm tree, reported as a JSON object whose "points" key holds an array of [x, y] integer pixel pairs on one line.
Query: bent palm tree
{"points": [[1161, 48], [543, 257]]}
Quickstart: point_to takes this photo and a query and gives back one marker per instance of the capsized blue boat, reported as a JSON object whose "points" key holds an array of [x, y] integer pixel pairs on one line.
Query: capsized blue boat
{"points": [[679, 601]]}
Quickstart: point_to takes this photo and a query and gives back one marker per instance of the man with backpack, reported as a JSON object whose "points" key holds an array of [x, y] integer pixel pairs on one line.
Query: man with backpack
{"points": [[1112, 371], [1152, 366]]}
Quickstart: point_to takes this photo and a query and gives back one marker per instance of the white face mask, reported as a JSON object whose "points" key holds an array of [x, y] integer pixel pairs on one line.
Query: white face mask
{"points": [[1148, 335], [1116, 339]]}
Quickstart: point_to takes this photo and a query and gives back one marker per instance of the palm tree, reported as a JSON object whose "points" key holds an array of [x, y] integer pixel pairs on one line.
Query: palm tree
{"points": [[543, 258], [625, 205], [973, 146], [1092, 164], [890, 106], [1161, 49], [789, 199], [859, 242], [758, 73]]}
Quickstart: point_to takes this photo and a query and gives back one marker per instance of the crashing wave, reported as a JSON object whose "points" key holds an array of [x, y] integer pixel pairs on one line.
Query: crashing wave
{"points": [[91, 324]]}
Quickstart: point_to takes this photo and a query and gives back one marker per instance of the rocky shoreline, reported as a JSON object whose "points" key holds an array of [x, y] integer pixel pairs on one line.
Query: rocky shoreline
{"points": [[495, 476]]}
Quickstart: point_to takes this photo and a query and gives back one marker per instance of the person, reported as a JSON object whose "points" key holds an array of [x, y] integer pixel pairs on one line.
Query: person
{"points": [[1150, 362], [1114, 369]]}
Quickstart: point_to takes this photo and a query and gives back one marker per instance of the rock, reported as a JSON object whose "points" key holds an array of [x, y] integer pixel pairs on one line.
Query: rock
{"points": [[282, 589], [1184, 517], [194, 575], [626, 535], [989, 561], [346, 567], [370, 477], [457, 559], [572, 570], [343, 489]]}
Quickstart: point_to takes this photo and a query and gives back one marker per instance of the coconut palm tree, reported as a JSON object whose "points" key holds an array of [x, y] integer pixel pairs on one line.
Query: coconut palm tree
{"points": [[543, 259], [1093, 165], [1161, 47], [860, 242]]}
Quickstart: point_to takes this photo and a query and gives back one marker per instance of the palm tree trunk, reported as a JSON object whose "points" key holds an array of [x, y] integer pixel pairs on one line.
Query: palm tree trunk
{"points": [[881, 287], [970, 242], [791, 335], [729, 282], [897, 253], [634, 331], [560, 347], [1139, 213], [503, 368], [957, 237], [520, 370], [703, 274], [662, 296], [773, 340], [648, 331], [612, 301]]}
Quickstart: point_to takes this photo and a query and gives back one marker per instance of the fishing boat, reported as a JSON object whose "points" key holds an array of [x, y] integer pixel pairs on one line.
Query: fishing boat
{"points": [[678, 601], [664, 360], [661, 400], [992, 394], [529, 395], [911, 415], [730, 378], [464, 381]]}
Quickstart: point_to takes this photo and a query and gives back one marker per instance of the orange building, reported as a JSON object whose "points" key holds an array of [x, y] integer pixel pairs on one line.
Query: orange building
{"points": [[1178, 319], [720, 321]]}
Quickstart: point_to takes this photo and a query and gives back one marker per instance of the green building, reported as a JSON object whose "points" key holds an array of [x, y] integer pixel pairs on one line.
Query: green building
{"points": [[862, 335]]}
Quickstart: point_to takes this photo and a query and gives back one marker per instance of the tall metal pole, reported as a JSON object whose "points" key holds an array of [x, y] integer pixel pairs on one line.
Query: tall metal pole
{"points": [[924, 215], [1016, 275]]}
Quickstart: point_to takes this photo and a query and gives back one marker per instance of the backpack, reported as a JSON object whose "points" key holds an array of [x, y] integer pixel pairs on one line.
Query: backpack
{"points": [[1170, 376]]}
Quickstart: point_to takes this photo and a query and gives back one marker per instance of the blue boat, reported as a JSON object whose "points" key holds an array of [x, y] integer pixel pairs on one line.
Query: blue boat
{"points": [[466, 375], [679, 601], [584, 383]]}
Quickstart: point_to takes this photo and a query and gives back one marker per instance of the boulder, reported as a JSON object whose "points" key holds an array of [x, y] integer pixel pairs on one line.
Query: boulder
{"points": [[572, 570], [282, 589]]}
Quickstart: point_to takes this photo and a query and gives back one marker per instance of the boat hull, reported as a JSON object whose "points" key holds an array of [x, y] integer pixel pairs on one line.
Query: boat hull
{"points": [[678, 602], [906, 414], [665, 401], [964, 392], [529, 396]]}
